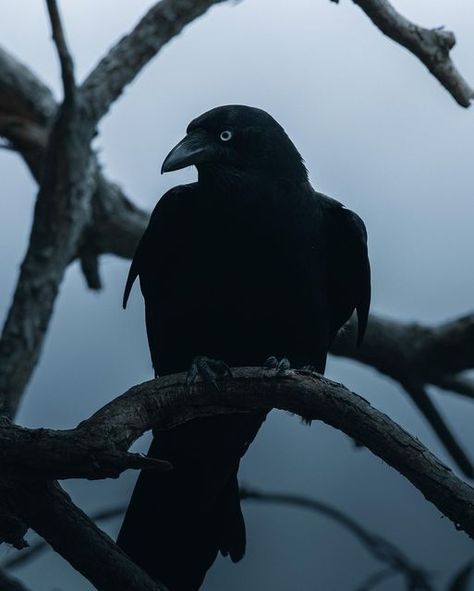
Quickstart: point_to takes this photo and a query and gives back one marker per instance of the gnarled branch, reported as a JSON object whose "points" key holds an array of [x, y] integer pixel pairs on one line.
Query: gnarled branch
{"points": [[51, 513], [164, 403], [416, 356]]}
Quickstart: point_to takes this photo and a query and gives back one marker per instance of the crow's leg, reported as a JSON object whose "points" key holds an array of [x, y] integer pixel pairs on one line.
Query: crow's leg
{"points": [[209, 370], [280, 365]]}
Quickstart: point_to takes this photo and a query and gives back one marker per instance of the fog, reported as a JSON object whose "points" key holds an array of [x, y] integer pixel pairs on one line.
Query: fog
{"points": [[378, 133]]}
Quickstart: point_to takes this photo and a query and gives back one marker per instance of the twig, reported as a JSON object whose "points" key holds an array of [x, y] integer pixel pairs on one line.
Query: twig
{"points": [[65, 59], [381, 549], [426, 406], [459, 384]]}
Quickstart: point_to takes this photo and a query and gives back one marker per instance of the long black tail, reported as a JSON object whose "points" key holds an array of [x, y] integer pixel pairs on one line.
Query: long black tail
{"points": [[177, 521]]}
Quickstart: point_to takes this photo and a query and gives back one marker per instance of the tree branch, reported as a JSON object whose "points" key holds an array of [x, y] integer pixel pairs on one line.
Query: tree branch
{"points": [[431, 46], [378, 547], [65, 59], [50, 512], [415, 356], [34, 550], [124, 61], [165, 402], [61, 212]]}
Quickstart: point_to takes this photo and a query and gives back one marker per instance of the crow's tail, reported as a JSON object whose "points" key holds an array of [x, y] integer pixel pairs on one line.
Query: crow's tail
{"points": [[177, 521]]}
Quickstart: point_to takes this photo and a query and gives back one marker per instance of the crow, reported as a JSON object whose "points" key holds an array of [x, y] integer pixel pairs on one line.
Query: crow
{"points": [[247, 264]]}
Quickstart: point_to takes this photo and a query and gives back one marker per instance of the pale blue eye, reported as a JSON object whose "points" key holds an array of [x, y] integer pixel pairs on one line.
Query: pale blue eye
{"points": [[226, 135]]}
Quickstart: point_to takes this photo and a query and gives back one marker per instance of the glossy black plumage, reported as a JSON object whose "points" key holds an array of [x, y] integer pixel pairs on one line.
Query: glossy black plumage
{"points": [[247, 263]]}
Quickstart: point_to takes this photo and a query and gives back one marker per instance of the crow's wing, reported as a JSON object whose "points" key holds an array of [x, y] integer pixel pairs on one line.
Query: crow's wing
{"points": [[348, 266]]}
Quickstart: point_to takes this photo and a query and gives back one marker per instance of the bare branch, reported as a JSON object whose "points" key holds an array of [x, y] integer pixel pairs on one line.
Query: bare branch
{"points": [[50, 512], [458, 384], [430, 46], [119, 67], [426, 406], [408, 351], [61, 212], [379, 548], [65, 59], [35, 549], [415, 355], [165, 402]]}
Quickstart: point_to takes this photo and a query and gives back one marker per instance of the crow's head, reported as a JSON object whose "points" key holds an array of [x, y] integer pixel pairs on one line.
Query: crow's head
{"points": [[237, 139]]}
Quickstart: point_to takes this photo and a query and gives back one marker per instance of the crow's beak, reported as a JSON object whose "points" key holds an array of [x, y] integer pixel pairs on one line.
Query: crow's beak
{"points": [[193, 149]]}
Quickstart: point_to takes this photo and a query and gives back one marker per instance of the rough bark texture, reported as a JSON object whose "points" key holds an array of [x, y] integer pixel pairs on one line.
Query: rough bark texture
{"points": [[417, 356], [50, 512], [165, 402], [80, 214]]}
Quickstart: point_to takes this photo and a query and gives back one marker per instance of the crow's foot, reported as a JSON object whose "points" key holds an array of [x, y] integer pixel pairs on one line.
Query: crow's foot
{"points": [[209, 370], [279, 365]]}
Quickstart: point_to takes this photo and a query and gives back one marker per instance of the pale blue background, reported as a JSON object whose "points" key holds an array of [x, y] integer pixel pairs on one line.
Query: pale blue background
{"points": [[378, 133]]}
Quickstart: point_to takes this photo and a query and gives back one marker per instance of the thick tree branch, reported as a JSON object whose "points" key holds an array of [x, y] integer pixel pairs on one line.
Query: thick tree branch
{"points": [[410, 351], [431, 46], [416, 356], [50, 512], [125, 60], [165, 402], [379, 548], [61, 212], [35, 549]]}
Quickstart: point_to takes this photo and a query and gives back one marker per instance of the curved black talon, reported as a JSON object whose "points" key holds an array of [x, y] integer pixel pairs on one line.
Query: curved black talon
{"points": [[209, 370], [281, 366]]}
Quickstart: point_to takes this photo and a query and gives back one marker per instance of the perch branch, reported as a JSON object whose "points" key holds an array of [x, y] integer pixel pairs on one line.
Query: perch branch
{"points": [[97, 446]]}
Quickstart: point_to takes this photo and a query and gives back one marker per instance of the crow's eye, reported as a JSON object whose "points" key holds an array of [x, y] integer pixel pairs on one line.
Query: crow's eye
{"points": [[226, 135]]}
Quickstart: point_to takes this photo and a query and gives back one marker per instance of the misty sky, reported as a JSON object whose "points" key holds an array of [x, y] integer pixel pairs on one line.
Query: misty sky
{"points": [[379, 134]]}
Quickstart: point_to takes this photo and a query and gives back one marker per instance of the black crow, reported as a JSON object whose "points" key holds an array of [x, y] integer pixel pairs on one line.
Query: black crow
{"points": [[248, 263]]}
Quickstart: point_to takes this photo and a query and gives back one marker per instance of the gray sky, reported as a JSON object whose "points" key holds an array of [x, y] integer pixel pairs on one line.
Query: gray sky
{"points": [[378, 133]]}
